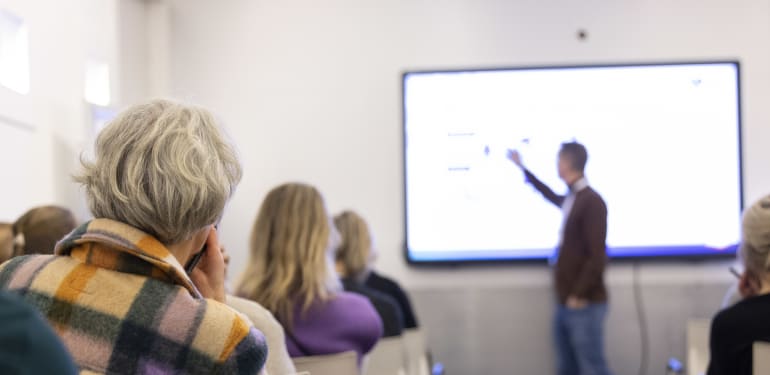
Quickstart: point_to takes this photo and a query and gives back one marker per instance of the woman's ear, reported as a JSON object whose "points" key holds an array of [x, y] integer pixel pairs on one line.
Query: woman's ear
{"points": [[749, 284]]}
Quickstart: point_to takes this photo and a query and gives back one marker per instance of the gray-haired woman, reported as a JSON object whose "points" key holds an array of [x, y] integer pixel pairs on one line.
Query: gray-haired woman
{"points": [[117, 290], [735, 329]]}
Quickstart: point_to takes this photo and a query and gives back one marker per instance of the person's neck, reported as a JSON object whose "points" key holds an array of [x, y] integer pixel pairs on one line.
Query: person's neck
{"points": [[765, 289], [572, 179], [182, 251]]}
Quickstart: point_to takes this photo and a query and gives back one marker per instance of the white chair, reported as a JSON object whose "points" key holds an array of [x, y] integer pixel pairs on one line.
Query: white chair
{"points": [[761, 354], [416, 352], [698, 355], [331, 364], [387, 358]]}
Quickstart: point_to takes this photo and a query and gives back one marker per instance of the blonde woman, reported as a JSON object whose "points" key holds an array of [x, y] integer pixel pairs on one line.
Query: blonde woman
{"points": [[735, 329], [291, 274], [354, 257], [117, 289]]}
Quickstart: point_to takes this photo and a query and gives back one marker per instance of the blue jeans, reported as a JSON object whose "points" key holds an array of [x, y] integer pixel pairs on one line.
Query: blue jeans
{"points": [[579, 336]]}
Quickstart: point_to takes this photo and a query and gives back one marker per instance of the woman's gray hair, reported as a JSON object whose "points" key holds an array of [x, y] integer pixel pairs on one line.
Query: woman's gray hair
{"points": [[162, 167]]}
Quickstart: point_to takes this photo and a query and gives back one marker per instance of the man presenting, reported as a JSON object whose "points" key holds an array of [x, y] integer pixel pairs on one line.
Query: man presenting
{"points": [[579, 265]]}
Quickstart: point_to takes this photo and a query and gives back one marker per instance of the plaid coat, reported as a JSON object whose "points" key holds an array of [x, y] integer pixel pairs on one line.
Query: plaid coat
{"points": [[122, 304]]}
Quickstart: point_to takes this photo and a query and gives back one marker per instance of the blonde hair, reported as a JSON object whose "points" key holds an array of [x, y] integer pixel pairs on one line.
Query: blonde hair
{"points": [[356, 247], [290, 260], [755, 244], [39, 229], [162, 167]]}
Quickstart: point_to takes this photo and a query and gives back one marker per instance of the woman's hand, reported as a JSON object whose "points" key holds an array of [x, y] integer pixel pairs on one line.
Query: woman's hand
{"points": [[209, 275]]}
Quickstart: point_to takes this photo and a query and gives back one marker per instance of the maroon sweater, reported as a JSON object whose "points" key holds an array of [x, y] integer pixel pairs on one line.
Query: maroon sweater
{"points": [[579, 269]]}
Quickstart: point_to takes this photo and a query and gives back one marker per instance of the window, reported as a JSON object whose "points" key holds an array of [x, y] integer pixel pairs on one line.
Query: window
{"points": [[97, 83], [14, 53]]}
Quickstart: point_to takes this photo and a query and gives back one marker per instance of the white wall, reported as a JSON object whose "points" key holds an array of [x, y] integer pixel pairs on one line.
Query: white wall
{"points": [[52, 124], [311, 91], [133, 38], [53, 110], [142, 51]]}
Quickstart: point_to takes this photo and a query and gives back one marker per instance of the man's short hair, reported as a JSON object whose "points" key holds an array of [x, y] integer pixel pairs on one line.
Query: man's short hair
{"points": [[576, 154]]}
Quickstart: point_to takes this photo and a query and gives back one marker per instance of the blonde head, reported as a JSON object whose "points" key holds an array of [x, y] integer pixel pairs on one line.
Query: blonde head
{"points": [[355, 249], [162, 167], [755, 244], [290, 252]]}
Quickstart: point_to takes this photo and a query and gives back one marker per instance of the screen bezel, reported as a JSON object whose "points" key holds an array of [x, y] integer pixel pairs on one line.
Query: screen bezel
{"points": [[658, 257]]}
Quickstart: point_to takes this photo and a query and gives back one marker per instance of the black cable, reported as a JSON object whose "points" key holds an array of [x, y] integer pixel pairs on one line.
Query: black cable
{"points": [[643, 329]]}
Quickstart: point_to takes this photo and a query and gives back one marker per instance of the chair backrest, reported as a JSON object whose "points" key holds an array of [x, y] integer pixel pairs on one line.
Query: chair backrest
{"points": [[761, 355], [416, 352], [387, 358], [331, 364], [698, 331]]}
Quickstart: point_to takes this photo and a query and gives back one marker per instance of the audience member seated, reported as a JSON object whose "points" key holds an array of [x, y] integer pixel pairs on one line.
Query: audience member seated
{"points": [[291, 273], [38, 230], [278, 360], [27, 344], [116, 290], [354, 255], [735, 329], [362, 247], [6, 241]]}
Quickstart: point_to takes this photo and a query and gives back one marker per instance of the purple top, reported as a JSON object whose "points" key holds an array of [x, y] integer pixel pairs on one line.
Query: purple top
{"points": [[345, 322]]}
